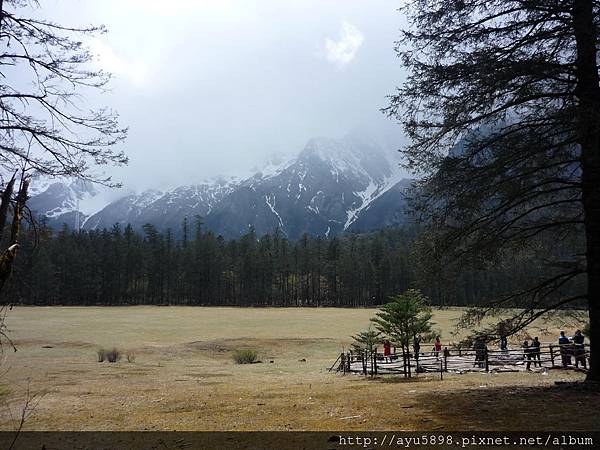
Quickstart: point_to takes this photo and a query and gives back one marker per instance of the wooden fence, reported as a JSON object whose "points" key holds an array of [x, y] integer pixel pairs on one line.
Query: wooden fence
{"points": [[459, 360]]}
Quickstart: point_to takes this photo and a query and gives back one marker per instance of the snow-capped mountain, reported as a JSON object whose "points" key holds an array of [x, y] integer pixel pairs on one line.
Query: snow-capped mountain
{"points": [[332, 186], [66, 201]]}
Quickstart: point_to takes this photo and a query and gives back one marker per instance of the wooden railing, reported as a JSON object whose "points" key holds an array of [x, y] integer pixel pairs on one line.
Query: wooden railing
{"points": [[458, 359]]}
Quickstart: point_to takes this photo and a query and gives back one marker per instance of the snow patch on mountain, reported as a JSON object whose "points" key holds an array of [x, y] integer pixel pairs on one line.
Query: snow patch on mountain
{"points": [[146, 198], [369, 195], [273, 168], [270, 199]]}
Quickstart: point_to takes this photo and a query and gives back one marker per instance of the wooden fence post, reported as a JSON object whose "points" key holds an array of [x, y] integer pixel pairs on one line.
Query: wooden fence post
{"points": [[586, 355], [552, 354], [446, 353], [336, 361], [375, 362], [372, 359], [416, 363]]}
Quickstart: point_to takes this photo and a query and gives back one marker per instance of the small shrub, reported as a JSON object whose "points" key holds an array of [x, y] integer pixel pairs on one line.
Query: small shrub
{"points": [[130, 357], [246, 356], [113, 355], [101, 355]]}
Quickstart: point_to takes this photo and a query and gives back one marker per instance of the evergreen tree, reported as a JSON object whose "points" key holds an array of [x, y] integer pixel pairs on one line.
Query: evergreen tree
{"points": [[502, 104], [405, 318], [366, 340]]}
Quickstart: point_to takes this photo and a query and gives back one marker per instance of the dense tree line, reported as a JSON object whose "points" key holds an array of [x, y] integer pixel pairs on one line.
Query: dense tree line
{"points": [[123, 266]]}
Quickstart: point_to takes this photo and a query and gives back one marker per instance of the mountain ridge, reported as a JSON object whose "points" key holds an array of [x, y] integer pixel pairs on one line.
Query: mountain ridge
{"points": [[332, 186]]}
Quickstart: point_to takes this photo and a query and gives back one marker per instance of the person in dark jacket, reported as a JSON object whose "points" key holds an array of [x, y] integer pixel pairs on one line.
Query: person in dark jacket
{"points": [[481, 352], [417, 345], [536, 352], [565, 348], [503, 343], [527, 354], [579, 349], [417, 349]]}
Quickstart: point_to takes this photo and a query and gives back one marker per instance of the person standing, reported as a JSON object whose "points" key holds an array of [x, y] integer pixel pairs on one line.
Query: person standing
{"points": [[481, 352], [527, 354], [536, 352], [437, 345], [579, 349], [387, 349], [417, 349], [564, 343], [417, 345], [503, 343]]}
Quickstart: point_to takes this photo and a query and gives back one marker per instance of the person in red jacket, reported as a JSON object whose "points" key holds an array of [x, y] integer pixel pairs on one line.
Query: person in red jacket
{"points": [[437, 345], [387, 348]]}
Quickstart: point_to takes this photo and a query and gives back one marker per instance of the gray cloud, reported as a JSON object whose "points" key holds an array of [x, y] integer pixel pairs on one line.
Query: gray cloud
{"points": [[208, 87]]}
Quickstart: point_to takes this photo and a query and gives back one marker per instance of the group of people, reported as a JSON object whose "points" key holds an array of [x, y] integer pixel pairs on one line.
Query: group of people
{"points": [[573, 347], [437, 347], [569, 348], [532, 352]]}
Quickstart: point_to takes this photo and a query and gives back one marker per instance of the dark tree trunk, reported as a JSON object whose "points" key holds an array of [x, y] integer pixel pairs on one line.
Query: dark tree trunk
{"points": [[588, 95], [5, 204], [7, 258]]}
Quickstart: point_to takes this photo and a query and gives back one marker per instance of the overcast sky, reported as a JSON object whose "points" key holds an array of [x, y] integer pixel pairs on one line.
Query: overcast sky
{"points": [[214, 86]]}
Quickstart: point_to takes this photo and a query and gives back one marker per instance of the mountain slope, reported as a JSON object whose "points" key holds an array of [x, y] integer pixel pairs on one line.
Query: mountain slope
{"points": [[332, 186], [67, 202]]}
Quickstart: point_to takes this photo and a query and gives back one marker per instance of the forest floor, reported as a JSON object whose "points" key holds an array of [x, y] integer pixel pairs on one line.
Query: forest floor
{"points": [[183, 376]]}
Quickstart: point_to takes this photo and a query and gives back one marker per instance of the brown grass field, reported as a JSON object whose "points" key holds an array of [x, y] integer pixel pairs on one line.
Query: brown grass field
{"points": [[183, 376]]}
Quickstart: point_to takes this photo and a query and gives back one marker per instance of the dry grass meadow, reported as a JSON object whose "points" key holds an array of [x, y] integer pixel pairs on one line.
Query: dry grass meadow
{"points": [[182, 376]]}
